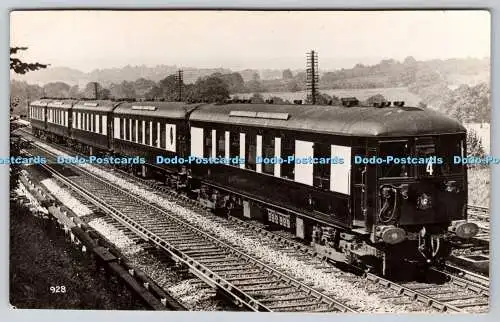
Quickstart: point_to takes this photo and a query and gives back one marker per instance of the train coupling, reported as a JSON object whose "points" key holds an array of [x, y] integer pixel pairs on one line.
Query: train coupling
{"points": [[463, 229]]}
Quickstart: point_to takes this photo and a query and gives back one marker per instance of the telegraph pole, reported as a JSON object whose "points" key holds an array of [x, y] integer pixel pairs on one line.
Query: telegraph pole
{"points": [[179, 77], [96, 91], [312, 76]]}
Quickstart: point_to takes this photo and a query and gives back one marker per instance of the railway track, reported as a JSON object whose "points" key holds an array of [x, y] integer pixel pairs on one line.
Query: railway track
{"points": [[246, 280], [462, 290], [457, 295]]}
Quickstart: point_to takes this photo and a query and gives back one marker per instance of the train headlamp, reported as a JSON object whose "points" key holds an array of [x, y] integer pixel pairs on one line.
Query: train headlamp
{"points": [[424, 201], [391, 234], [464, 229]]}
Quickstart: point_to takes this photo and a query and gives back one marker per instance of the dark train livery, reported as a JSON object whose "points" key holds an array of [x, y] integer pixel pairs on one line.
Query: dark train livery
{"points": [[350, 212]]}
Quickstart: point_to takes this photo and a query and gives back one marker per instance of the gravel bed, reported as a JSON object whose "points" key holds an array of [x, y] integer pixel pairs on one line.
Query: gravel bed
{"points": [[191, 294], [66, 198], [116, 236]]}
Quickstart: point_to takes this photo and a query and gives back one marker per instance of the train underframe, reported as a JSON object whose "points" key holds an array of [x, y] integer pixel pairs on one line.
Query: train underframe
{"points": [[425, 246]]}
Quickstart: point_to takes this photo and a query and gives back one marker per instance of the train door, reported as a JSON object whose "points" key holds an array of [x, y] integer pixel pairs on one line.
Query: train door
{"points": [[360, 190]]}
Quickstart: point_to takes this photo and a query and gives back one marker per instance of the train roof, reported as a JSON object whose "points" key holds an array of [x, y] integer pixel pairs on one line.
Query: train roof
{"points": [[173, 110], [361, 121], [95, 105], [62, 103], [41, 102]]}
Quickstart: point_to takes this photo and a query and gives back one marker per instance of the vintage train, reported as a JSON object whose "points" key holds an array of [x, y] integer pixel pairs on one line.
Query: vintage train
{"points": [[381, 214]]}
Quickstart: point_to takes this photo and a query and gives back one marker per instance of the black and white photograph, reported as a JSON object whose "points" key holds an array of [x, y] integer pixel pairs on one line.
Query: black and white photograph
{"points": [[250, 160]]}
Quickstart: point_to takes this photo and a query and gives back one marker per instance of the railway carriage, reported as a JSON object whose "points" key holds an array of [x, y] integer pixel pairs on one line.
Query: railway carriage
{"points": [[91, 126], [37, 116], [350, 212], [151, 129], [58, 120]]}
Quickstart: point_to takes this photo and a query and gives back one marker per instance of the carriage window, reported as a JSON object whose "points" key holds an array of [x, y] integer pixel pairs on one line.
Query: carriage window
{"points": [[134, 129], [321, 172], [97, 124], [171, 136], [234, 149], [208, 142], [221, 143], [127, 129], [399, 149], [268, 152], [140, 132], [448, 147], [250, 151], [163, 136], [121, 129], [155, 134], [148, 131], [426, 148], [287, 149]]}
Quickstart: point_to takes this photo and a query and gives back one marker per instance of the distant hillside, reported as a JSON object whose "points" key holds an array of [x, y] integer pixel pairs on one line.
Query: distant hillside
{"points": [[52, 74], [387, 73], [113, 75], [392, 73]]}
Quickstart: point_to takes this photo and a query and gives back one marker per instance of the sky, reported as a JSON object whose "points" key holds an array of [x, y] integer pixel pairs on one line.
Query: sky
{"points": [[88, 40]]}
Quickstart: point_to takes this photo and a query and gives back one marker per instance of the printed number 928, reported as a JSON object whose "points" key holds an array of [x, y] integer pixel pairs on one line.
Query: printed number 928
{"points": [[57, 289]]}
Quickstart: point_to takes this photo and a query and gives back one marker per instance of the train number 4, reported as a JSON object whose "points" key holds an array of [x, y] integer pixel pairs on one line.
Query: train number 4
{"points": [[429, 168]]}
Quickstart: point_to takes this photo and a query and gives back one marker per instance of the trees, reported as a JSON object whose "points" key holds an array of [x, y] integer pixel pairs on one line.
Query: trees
{"points": [[469, 104], [287, 74], [123, 90], [94, 89], [20, 67], [474, 144], [74, 92], [211, 89], [254, 86], [57, 89], [234, 81], [142, 86]]}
